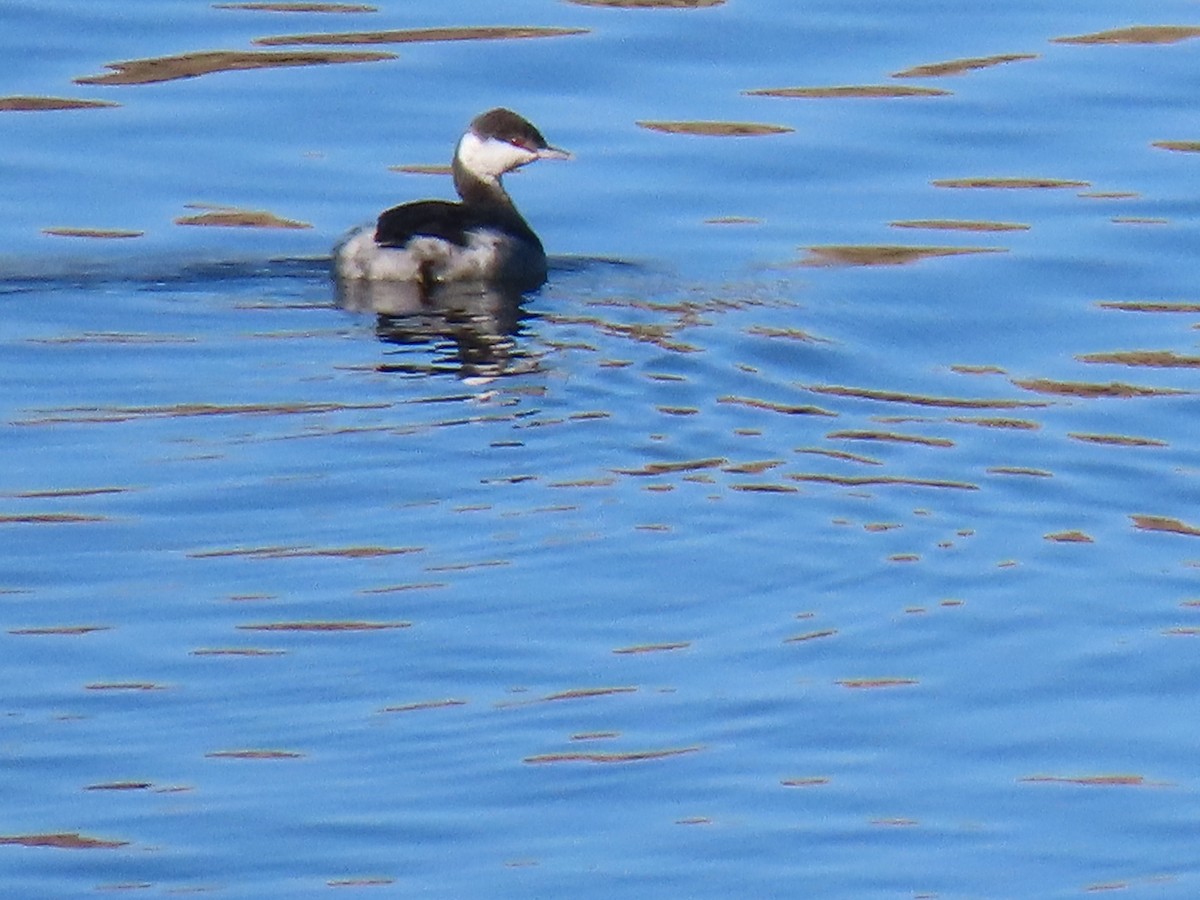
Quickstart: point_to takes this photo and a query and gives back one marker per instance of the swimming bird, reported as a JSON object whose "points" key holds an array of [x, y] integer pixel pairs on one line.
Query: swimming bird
{"points": [[480, 239]]}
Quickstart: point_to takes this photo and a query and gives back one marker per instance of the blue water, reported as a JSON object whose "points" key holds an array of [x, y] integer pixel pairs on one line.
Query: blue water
{"points": [[563, 595]]}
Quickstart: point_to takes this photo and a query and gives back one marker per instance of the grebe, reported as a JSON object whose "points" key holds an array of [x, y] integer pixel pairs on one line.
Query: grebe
{"points": [[481, 239]]}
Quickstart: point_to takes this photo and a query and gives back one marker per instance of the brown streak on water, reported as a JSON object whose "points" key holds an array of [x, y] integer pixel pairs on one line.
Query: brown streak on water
{"points": [[1116, 440], [840, 454], [44, 104], [626, 757], [98, 233], [72, 840], [785, 408], [424, 705], [638, 649], [192, 65], [922, 399], [254, 754], [960, 66], [959, 225], [874, 683], [1136, 34], [315, 626], [1020, 470], [1163, 523], [60, 630], [306, 552], [864, 91], [1087, 780], [419, 35], [1091, 389], [650, 4], [1014, 424], [1178, 146], [810, 636], [882, 480], [715, 129], [242, 218], [1158, 359], [1150, 306], [299, 7], [1069, 537], [1010, 183], [883, 254], [890, 436]]}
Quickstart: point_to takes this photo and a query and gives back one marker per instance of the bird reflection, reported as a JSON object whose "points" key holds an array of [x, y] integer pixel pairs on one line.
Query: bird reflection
{"points": [[469, 327]]}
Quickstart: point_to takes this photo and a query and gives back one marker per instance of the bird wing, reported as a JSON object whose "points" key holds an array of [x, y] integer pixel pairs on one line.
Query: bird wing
{"points": [[427, 218]]}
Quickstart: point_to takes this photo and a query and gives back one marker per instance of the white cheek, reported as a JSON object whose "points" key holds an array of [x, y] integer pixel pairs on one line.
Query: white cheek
{"points": [[490, 158]]}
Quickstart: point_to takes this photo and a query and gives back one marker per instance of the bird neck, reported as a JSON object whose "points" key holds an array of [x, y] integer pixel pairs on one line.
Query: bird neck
{"points": [[488, 197]]}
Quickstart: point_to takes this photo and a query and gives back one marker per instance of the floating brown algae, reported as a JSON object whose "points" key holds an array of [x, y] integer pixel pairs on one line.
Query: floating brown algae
{"points": [[865, 91], [837, 390], [60, 630], [959, 66], [359, 882], [789, 409], [1010, 183], [1139, 220], [668, 468], [1116, 440], [890, 436], [192, 65], [882, 480], [120, 786], [883, 254], [626, 757], [715, 129], [810, 636], [1109, 195], [840, 454], [1087, 780], [73, 414], [42, 104], [977, 370], [422, 169], [813, 781], [1020, 470], [72, 840], [752, 468], [313, 626], [241, 218], [69, 492], [587, 693], [650, 4], [733, 220], [959, 225], [49, 519], [1163, 523], [1178, 146], [299, 7], [307, 552], [1158, 359], [419, 35], [423, 705], [764, 488], [253, 754], [1069, 537], [1089, 389], [1136, 34], [237, 651], [124, 686], [1015, 424], [1151, 306], [101, 233], [638, 649], [791, 334], [872, 683]]}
